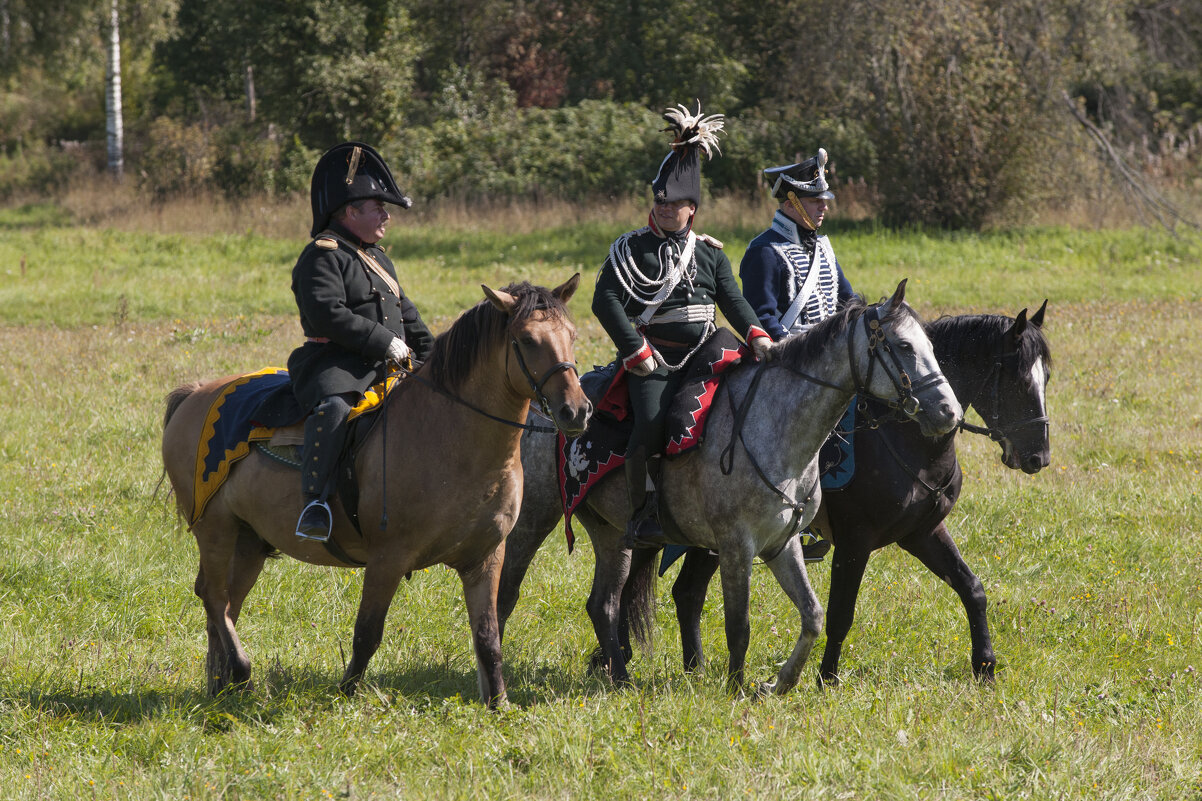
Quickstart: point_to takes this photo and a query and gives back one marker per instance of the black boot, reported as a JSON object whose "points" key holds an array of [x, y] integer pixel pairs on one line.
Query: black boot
{"points": [[643, 530], [813, 547], [315, 522], [325, 434]]}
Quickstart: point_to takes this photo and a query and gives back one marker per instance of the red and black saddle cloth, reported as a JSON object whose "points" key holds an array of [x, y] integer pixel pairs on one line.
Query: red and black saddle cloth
{"points": [[583, 461]]}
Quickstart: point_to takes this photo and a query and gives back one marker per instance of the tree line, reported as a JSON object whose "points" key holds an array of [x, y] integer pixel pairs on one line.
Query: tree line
{"points": [[949, 112]]}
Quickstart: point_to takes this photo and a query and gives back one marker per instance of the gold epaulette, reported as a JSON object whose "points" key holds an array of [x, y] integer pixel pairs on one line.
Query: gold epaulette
{"points": [[326, 243], [709, 240]]}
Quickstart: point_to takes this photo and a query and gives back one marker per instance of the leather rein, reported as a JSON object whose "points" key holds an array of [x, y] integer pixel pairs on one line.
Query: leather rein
{"points": [[878, 342], [536, 386]]}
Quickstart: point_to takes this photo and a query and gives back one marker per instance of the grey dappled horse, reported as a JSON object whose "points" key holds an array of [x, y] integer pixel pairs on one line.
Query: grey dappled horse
{"points": [[751, 484]]}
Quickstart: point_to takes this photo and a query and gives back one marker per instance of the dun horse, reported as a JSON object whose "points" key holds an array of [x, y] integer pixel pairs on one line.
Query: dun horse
{"points": [[444, 463], [907, 484], [770, 420]]}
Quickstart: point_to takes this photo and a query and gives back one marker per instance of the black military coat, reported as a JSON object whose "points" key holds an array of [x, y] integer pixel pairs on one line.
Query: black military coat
{"points": [[349, 314]]}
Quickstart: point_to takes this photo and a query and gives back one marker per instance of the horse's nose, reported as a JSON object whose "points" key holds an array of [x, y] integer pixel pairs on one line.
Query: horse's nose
{"points": [[1035, 462], [573, 418]]}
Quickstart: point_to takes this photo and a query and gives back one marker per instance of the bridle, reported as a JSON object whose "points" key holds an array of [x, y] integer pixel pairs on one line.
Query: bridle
{"points": [[994, 429], [878, 344], [544, 404]]}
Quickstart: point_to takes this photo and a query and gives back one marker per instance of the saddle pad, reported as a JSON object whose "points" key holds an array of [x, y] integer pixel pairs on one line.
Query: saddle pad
{"points": [[230, 427], [583, 461]]}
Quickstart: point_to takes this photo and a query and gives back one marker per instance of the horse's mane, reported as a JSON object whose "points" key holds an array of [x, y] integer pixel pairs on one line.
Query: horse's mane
{"points": [[974, 337], [483, 327], [799, 350]]}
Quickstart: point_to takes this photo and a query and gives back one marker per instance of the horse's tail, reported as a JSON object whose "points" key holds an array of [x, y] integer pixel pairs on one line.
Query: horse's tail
{"points": [[639, 601], [175, 397]]}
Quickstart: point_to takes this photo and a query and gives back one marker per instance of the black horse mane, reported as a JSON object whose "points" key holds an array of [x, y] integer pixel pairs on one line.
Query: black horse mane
{"points": [[800, 350], [483, 327], [969, 338]]}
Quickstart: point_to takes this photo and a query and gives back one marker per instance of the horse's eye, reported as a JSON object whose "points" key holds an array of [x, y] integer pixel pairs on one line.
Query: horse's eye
{"points": [[527, 341], [904, 345]]}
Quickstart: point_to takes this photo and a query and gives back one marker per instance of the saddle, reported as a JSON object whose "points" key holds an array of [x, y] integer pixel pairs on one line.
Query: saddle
{"points": [[583, 461], [259, 410]]}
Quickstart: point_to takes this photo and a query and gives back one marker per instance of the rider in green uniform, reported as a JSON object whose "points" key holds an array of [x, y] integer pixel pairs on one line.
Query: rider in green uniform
{"points": [[656, 296]]}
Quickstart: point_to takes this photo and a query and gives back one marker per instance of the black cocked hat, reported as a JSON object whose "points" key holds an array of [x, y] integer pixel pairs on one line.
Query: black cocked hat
{"points": [[679, 176], [348, 172], [804, 179]]}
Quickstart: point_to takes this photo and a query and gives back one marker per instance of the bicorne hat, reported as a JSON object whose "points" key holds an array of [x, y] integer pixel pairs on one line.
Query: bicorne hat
{"points": [[348, 172], [679, 176], [804, 179]]}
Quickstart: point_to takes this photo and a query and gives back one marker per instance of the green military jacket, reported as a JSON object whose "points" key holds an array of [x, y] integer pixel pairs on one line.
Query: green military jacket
{"points": [[714, 283]]}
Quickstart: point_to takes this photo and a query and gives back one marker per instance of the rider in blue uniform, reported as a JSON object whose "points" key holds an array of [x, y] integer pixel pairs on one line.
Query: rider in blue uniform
{"points": [[790, 274]]}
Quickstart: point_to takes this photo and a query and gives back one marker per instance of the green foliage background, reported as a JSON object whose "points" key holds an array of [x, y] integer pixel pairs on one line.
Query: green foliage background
{"points": [[955, 113]]}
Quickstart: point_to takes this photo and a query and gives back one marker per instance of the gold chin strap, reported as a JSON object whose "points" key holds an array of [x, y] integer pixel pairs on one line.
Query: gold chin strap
{"points": [[796, 204]]}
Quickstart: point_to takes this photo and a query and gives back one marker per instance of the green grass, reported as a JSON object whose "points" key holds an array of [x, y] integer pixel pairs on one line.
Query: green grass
{"points": [[1092, 567]]}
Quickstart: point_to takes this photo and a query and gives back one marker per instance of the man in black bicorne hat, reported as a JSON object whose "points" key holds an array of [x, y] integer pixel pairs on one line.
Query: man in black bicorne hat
{"points": [[656, 295], [354, 314], [790, 274]]}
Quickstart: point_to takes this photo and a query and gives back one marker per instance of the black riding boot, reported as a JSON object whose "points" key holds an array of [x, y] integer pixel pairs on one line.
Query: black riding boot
{"points": [[643, 529], [325, 433]]}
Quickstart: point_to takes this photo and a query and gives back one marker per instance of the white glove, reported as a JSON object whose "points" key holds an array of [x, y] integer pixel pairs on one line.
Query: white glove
{"points": [[762, 348], [398, 351], [645, 367]]}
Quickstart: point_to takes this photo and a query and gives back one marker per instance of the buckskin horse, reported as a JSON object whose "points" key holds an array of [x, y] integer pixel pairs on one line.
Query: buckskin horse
{"points": [[750, 485], [444, 461]]}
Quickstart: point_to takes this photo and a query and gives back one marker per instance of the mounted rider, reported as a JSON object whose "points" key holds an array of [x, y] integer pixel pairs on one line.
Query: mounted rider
{"points": [[655, 297], [355, 316], [789, 272]]}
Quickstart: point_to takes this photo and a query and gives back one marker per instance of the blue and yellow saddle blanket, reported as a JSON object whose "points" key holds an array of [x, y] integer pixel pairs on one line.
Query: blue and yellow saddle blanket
{"points": [[230, 427]]}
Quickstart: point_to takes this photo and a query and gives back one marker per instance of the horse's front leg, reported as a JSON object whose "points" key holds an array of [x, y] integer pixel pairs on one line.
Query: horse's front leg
{"points": [[734, 563], [688, 592], [380, 580], [847, 571], [604, 601], [480, 592], [939, 553], [789, 568]]}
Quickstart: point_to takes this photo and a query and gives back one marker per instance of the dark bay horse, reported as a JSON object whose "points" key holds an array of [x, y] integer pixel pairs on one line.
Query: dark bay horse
{"points": [[752, 482], [443, 460], [906, 484]]}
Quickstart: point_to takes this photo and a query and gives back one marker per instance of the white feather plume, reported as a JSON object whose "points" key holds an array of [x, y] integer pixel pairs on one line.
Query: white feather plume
{"points": [[695, 129]]}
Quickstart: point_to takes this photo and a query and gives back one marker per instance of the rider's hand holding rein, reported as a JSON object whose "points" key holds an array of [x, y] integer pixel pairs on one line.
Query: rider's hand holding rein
{"points": [[398, 351], [761, 348]]}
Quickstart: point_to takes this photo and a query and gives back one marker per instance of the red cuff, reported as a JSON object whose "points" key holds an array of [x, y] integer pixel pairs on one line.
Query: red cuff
{"points": [[637, 356], [753, 332]]}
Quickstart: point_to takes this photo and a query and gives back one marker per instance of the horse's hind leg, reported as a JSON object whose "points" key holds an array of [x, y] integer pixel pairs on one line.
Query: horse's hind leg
{"points": [[688, 592], [226, 663], [939, 553], [480, 593], [789, 568], [520, 548]]}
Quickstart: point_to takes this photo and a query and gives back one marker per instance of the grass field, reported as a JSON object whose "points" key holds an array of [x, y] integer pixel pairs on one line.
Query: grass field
{"points": [[1092, 567]]}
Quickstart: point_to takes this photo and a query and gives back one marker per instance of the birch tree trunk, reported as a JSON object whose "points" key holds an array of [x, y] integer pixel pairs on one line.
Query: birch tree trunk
{"points": [[114, 130]]}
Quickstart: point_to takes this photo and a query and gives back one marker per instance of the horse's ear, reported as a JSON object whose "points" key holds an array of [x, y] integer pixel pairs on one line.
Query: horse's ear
{"points": [[568, 288], [1037, 317], [502, 300], [899, 295], [1016, 329]]}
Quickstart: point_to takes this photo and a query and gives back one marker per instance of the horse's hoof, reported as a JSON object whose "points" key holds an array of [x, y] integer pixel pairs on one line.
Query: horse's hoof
{"points": [[828, 682], [765, 688], [984, 672]]}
